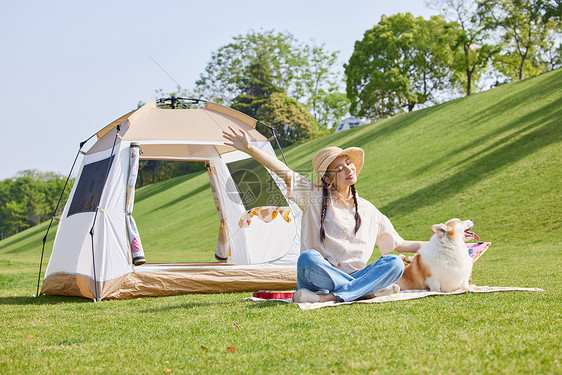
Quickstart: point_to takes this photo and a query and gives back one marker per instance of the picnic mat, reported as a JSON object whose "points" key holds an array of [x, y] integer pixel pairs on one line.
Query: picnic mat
{"points": [[403, 295], [475, 250]]}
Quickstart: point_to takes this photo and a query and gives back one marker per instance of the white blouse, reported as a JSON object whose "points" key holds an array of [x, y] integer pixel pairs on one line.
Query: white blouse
{"points": [[343, 248]]}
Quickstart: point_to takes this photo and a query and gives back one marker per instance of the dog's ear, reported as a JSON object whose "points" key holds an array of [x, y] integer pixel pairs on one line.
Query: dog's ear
{"points": [[439, 229]]}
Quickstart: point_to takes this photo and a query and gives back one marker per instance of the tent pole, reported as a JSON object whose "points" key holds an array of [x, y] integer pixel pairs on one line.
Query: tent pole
{"points": [[94, 261], [276, 140], [96, 295], [55, 211]]}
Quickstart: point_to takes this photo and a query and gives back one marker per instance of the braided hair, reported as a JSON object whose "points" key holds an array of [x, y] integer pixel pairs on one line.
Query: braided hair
{"points": [[324, 208], [325, 195], [357, 217]]}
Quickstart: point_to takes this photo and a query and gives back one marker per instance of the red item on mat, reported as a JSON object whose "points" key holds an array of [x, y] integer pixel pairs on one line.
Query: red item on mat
{"points": [[273, 295]]}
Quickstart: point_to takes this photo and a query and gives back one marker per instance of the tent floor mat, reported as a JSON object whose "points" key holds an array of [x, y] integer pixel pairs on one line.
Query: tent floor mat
{"points": [[190, 279], [174, 279]]}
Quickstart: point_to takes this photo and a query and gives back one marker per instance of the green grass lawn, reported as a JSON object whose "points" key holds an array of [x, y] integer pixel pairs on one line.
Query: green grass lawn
{"points": [[494, 157]]}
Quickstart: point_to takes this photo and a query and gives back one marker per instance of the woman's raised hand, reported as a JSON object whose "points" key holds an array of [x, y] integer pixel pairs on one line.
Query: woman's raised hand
{"points": [[239, 140]]}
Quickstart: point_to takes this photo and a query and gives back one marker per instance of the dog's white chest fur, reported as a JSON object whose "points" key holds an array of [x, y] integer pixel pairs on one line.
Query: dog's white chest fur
{"points": [[448, 261]]}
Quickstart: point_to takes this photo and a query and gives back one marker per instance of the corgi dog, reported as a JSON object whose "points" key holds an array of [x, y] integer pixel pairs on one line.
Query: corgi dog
{"points": [[443, 264]]}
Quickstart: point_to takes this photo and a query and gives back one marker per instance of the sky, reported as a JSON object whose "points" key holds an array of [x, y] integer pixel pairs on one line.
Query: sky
{"points": [[69, 68]]}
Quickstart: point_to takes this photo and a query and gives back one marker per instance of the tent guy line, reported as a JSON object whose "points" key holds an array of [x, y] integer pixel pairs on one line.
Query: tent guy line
{"points": [[57, 208], [164, 70]]}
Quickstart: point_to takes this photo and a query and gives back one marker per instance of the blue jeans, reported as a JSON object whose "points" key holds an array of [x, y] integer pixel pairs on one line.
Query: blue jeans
{"points": [[316, 273]]}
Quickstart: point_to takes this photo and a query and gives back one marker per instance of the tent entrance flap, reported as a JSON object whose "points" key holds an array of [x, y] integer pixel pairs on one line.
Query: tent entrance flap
{"points": [[267, 221], [137, 252], [222, 251]]}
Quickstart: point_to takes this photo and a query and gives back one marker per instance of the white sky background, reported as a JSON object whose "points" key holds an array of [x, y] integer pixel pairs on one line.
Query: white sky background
{"points": [[68, 68]]}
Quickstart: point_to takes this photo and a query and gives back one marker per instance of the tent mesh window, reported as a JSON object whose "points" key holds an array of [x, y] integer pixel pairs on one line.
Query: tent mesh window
{"points": [[90, 186], [255, 185]]}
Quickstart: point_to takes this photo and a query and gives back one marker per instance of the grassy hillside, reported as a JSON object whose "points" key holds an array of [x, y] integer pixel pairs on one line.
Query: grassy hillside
{"points": [[494, 157]]}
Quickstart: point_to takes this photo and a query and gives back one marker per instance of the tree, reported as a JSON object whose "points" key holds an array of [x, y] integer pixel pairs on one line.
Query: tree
{"points": [[550, 9], [290, 119], [432, 58], [528, 30], [304, 72], [281, 52], [471, 50], [335, 106], [261, 99], [29, 199], [256, 87], [401, 62], [178, 92], [319, 87]]}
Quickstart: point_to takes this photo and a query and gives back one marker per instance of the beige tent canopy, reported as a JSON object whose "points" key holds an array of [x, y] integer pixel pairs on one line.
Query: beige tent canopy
{"points": [[97, 251]]}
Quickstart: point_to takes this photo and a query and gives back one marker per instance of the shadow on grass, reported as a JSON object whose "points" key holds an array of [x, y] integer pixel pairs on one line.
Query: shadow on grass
{"points": [[22, 239], [523, 124], [149, 191], [41, 300], [29, 232], [356, 137], [388, 127], [186, 305], [515, 98], [477, 170], [37, 245], [183, 197], [266, 304], [192, 305], [501, 142]]}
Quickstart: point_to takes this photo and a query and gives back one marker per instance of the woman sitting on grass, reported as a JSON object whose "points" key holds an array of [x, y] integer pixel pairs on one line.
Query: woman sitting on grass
{"points": [[339, 229]]}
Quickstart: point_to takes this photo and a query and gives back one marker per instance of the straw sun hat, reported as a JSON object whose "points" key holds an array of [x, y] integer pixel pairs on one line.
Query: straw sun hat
{"points": [[326, 156]]}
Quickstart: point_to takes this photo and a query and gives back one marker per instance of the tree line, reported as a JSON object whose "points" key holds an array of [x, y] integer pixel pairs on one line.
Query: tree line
{"points": [[402, 63], [28, 199], [31, 196], [302, 90]]}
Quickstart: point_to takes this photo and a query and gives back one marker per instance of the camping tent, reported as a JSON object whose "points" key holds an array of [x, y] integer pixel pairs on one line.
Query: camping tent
{"points": [[98, 251]]}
